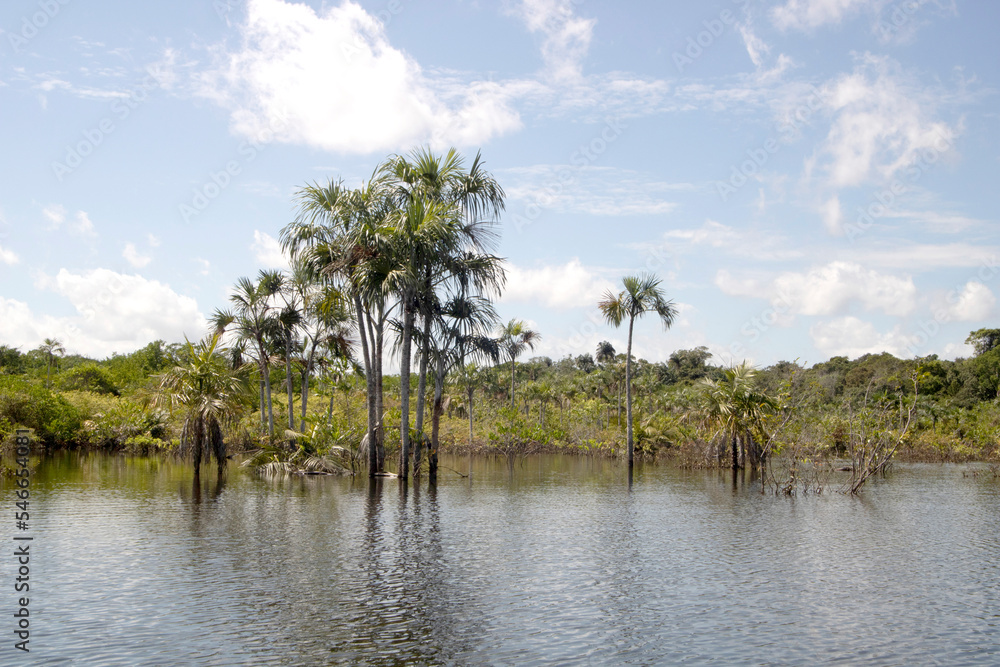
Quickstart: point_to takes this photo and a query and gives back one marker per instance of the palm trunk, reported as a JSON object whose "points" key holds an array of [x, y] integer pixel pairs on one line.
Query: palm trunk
{"points": [[736, 454], [628, 394], [404, 388], [378, 336], [471, 391], [421, 394], [288, 380], [263, 400], [512, 382], [306, 374], [432, 455], [369, 386]]}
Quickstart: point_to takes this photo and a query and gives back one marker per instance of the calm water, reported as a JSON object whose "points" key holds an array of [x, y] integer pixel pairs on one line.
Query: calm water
{"points": [[132, 564]]}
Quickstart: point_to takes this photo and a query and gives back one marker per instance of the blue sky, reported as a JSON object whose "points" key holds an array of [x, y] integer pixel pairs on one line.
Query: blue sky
{"points": [[808, 177]]}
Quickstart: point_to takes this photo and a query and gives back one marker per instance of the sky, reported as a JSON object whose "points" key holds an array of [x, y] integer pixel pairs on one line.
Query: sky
{"points": [[809, 178]]}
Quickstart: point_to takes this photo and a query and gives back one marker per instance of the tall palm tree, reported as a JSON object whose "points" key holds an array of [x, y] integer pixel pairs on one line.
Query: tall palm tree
{"points": [[50, 347], [253, 320], [211, 393], [471, 202], [642, 294], [739, 409], [341, 233], [515, 338]]}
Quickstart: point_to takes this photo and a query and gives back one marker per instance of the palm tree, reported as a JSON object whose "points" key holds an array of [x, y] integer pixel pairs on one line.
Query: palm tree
{"points": [[605, 352], [341, 233], [50, 347], [210, 392], [253, 320], [740, 410], [434, 188], [515, 338], [642, 294]]}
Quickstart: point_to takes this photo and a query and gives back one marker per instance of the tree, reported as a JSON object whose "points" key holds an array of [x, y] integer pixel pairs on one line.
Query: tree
{"points": [[984, 340], [210, 392], [642, 294], [515, 337], [428, 190], [739, 410], [253, 320], [50, 347], [605, 352]]}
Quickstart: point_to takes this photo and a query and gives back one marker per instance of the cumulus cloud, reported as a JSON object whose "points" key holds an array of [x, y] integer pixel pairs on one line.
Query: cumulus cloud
{"points": [[115, 312], [811, 14], [132, 256], [828, 290], [267, 251], [973, 304], [852, 337], [8, 257], [882, 126], [332, 80], [571, 285], [566, 37]]}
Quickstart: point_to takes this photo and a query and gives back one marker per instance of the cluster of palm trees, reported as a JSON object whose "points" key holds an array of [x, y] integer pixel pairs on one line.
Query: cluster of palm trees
{"points": [[409, 255], [405, 261]]}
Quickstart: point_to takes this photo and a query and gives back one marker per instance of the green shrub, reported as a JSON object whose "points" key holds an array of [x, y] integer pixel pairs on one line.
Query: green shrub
{"points": [[88, 377], [24, 404]]}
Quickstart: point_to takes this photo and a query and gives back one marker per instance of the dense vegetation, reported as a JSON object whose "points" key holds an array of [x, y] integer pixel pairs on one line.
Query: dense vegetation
{"points": [[293, 371]]}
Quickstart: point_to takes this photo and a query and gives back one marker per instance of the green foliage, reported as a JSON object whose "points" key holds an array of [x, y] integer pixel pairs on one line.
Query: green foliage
{"points": [[88, 377], [26, 404], [123, 421], [11, 361]]}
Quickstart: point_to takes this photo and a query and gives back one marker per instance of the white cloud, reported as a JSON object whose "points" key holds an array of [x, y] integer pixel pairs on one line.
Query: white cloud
{"points": [[593, 190], [811, 14], [570, 285], [832, 216], [566, 36], [267, 251], [115, 313], [55, 214], [83, 226], [973, 304], [8, 257], [204, 264], [882, 126], [133, 257], [80, 225], [152, 240], [926, 256], [333, 81], [828, 290], [756, 47], [755, 244], [852, 337]]}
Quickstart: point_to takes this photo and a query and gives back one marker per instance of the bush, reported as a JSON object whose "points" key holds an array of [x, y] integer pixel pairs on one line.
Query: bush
{"points": [[24, 404], [123, 421], [88, 377]]}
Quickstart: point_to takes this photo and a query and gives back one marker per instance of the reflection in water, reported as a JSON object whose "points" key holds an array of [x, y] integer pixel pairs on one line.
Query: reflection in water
{"points": [[566, 563]]}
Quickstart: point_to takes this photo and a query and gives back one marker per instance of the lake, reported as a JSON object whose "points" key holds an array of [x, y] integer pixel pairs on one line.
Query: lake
{"points": [[558, 563]]}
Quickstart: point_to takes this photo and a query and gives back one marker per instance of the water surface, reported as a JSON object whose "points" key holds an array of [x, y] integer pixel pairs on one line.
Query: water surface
{"points": [[559, 563]]}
